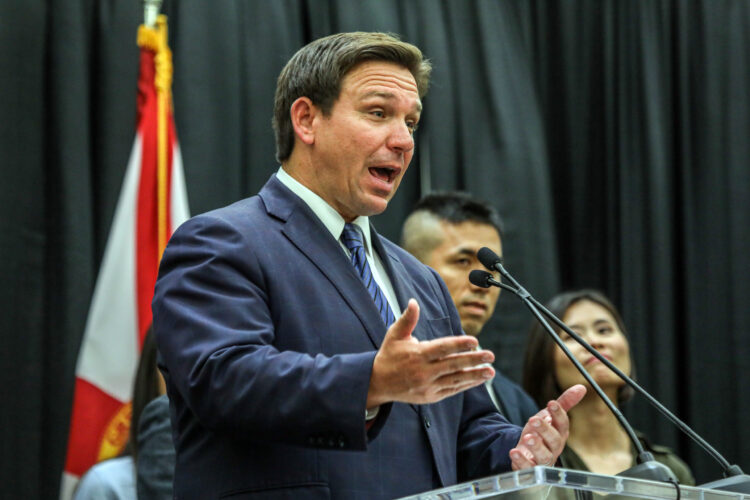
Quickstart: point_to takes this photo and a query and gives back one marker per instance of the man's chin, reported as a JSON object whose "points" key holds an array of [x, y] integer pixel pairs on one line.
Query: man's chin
{"points": [[375, 205], [472, 327]]}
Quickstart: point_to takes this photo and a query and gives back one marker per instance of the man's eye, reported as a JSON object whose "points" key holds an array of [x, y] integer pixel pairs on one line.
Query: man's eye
{"points": [[412, 126], [463, 262], [379, 113]]}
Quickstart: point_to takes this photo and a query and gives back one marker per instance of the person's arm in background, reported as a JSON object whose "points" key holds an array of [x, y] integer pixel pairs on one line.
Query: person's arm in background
{"points": [[156, 455]]}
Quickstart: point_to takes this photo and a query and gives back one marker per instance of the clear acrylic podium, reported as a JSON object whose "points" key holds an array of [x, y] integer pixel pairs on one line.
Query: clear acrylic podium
{"points": [[551, 483]]}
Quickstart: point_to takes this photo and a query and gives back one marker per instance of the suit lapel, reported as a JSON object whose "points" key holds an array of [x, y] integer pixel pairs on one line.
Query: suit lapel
{"points": [[397, 272], [403, 288], [310, 236]]}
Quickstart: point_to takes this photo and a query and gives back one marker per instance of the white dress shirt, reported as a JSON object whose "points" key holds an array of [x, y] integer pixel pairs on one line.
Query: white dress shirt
{"points": [[333, 221]]}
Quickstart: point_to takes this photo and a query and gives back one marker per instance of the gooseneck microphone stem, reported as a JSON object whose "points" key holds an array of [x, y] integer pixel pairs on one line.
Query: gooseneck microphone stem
{"points": [[642, 455], [735, 480]]}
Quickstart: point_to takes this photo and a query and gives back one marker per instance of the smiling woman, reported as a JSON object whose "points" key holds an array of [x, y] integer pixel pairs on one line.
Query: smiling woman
{"points": [[597, 442]]}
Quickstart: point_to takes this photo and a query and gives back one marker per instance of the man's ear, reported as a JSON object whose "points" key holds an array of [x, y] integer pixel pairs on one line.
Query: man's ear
{"points": [[303, 114]]}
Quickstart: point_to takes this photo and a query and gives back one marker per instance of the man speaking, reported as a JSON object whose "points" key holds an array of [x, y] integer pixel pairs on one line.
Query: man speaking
{"points": [[307, 357]]}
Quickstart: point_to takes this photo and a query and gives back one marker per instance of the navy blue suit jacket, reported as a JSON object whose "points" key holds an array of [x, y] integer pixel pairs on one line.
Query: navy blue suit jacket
{"points": [[267, 337], [515, 404]]}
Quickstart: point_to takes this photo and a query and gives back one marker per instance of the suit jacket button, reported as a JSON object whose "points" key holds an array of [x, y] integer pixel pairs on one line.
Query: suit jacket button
{"points": [[427, 422]]}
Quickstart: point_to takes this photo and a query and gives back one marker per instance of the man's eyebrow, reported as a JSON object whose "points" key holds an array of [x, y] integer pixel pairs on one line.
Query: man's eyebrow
{"points": [[466, 251], [389, 96], [471, 253], [379, 93]]}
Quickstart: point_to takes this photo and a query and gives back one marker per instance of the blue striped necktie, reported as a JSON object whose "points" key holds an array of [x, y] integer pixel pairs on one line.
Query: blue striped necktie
{"points": [[352, 239]]}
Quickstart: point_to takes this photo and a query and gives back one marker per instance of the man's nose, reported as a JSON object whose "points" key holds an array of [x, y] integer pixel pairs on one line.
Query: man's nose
{"points": [[401, 138]]}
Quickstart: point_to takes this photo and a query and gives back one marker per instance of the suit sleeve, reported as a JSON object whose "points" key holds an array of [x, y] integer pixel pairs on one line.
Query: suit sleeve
{"points": [[216, 336]]}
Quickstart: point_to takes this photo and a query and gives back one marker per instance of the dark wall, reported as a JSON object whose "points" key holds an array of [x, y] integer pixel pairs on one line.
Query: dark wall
{"points": [[612, 136]]}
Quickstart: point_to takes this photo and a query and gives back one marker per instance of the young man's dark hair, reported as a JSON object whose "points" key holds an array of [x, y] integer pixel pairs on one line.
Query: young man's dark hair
{"points": [[421, 234]]}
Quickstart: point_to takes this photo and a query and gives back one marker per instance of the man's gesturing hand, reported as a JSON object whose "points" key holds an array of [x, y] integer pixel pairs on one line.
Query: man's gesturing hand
{"points": [[411, 371], [544, 436]]}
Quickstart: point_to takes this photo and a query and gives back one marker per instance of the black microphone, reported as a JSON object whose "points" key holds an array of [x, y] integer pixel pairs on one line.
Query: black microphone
{"points": [[488, 258], [735, 480], [483, 279]]}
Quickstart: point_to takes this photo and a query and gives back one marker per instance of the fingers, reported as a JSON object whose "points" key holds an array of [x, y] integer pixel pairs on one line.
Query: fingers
{"points": [[410, 371], [521, 458], [443, 347], [458, 372], [539, 449], [544, 415], [557, 411], [544, 435], [451, 391], [530, 451], [401, 329], [571, 397], [461, 361], [462, 380], [547, 439]]}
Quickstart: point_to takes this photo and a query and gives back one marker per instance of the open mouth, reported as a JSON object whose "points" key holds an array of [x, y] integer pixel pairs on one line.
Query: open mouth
{"points": [[385, 174]]}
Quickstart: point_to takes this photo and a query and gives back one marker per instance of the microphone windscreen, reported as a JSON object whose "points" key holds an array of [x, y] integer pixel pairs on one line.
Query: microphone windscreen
{"points": [[480, 278], [488, 258]]}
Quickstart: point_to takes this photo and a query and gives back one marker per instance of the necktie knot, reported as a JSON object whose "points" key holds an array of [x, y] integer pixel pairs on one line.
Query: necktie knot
{"points": [[352, 238]]}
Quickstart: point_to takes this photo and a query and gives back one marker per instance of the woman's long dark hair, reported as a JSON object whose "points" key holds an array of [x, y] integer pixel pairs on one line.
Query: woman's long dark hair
{"points": [[145, 388], [539, 367]]}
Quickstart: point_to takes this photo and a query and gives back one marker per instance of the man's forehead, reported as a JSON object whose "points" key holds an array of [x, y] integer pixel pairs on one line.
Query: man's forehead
{"points": [[471, 229], [382, 74]]}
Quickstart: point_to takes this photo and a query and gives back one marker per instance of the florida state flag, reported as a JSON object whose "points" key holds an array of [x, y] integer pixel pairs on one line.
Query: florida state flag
{"points": [[152, 202]]}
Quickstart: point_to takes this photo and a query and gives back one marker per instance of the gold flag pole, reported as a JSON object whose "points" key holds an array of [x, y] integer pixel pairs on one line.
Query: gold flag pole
{"points": [[163, 62], [153, 35]]}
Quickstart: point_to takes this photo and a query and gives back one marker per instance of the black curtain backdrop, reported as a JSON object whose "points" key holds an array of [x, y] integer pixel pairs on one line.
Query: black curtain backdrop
{"points": [[612, 136], [646, 111]]}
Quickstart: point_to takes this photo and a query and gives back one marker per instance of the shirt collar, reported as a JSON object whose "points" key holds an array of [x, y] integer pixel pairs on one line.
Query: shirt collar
{"points": [[330, 218]]}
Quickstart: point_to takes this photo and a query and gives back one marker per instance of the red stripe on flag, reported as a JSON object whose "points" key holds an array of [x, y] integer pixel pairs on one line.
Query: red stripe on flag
{"points": [[92, 409], [147, 223]]}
